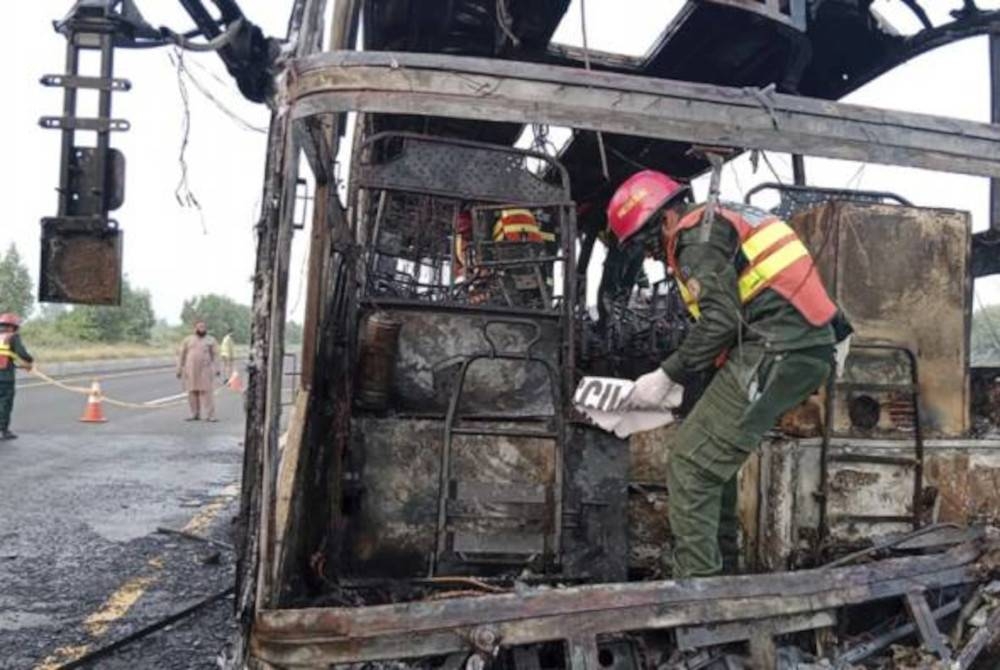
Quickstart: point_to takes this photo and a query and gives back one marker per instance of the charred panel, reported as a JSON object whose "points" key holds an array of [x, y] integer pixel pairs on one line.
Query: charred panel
{"points": [[917, 296], [392, 519], [432, 346], [81, 263]]}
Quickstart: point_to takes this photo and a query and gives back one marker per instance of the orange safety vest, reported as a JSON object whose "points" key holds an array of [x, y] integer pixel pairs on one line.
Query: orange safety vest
{"points": [[776, 259], [519, 225]]}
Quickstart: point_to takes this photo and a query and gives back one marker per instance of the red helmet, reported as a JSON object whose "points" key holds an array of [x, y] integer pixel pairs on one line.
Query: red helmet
{"points": [[10, 319], [638, 199]]}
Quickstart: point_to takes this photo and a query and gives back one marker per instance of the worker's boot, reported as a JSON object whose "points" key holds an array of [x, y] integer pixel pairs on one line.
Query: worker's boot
{"points": [[7, 435]]}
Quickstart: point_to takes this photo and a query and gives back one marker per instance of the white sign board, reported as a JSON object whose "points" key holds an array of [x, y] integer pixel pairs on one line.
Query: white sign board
{"points": [[602, 400]]}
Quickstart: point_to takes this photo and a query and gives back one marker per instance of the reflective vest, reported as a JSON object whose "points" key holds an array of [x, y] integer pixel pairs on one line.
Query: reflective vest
{"points": [[775, 257], [7, 354], [519, 225]]}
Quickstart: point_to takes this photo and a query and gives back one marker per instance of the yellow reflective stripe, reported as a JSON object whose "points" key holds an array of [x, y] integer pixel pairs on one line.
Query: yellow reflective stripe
{"points": [[756, 277], [501, 230], [689, 300], [764, 238]]}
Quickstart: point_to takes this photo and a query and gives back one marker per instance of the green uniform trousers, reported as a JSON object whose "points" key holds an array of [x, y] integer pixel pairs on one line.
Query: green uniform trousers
{"points": [[744, 400], [6, 404]]}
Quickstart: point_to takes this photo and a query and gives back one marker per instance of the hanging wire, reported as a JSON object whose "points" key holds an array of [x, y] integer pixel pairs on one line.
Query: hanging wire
{"points": [[540, 142], [770, 166], [506, 21], [626, 159], [185, 197], [301, 282], [856, 177], [219, 80], [586, 64], [201, 88]]}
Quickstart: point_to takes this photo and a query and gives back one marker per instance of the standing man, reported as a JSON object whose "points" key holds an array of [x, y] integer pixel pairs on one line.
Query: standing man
{"points": [[197, 367], [226, 351], [12, 355], [762, 318]]}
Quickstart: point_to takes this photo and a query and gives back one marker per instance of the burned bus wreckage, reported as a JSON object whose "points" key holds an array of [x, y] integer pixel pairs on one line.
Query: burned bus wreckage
{"points": [[438, 502]]}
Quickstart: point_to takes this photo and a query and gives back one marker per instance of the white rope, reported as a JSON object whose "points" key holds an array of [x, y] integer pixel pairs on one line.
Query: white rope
{"points": [[83, 390]]}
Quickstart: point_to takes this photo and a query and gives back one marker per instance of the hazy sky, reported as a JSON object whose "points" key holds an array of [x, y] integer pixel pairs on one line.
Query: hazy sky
{"points": [[166, 249]]}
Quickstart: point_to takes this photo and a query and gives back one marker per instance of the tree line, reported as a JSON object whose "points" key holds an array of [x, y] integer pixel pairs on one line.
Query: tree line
{"points": [[134, 321]]}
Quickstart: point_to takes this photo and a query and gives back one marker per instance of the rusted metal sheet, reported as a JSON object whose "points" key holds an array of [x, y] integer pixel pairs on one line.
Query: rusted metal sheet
{"points": [[648, 521], [431, 347], [392, 531], [967, 481], [961, 478], [80, 263], [918, 296]]}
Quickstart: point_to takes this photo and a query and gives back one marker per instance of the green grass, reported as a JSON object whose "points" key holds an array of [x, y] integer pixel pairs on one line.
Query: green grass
{"points": [[65, 353], [95, 352]]}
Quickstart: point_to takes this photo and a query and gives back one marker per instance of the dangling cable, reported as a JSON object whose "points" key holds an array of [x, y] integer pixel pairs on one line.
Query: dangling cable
{"points": [[185, 197], [586, 64]]}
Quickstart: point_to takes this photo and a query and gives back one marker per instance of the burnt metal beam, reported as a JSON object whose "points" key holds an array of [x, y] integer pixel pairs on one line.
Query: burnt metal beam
{"points": [[930, 634], [995, 118], [880, 642], [986, 245], [493, 90], [697, 637], [408, 630], [983, 638]]}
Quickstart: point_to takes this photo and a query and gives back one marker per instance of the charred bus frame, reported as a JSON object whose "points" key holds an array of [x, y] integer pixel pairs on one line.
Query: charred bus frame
{"points": [[318, 89]]}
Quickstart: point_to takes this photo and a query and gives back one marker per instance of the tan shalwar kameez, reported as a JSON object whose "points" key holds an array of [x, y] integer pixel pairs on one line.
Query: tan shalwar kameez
{"points": [[197, 367]]}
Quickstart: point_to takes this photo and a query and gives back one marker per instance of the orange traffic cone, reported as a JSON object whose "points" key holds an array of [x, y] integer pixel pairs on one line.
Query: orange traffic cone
{"points": [[235, 383], [93, 413]]}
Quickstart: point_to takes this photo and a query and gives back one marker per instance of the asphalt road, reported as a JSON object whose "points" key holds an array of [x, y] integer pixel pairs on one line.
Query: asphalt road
{"points": [[81, 562], [43, 409]]}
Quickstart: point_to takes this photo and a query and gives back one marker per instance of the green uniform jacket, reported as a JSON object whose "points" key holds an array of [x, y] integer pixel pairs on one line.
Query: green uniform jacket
{"points": [[8, 373], [768, 320]]}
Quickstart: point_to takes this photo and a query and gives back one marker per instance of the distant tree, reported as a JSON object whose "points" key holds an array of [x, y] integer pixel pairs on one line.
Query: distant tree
{"points": [[16, 293], [50, 311], [132, 321], [986, 336], [220, 313], [293, 333]]}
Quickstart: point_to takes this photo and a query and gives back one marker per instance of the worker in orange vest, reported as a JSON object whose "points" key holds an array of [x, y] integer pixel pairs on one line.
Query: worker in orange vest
{"points": [[762, 317], [12, 356]]}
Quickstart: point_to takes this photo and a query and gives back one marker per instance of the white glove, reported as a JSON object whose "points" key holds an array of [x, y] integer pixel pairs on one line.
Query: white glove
{"points": [[655, 390], [840, 351]]}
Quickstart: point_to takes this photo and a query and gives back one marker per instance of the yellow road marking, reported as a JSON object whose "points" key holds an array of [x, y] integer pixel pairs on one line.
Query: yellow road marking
{"points": [[87, 378], [121, 601], [117, 605], [202, 519], [62, 656]]}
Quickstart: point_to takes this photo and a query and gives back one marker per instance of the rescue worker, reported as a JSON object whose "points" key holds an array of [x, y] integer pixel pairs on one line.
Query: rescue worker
{"points": [[226, 351], [762, 317], [12, 355], [196, 366]]}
